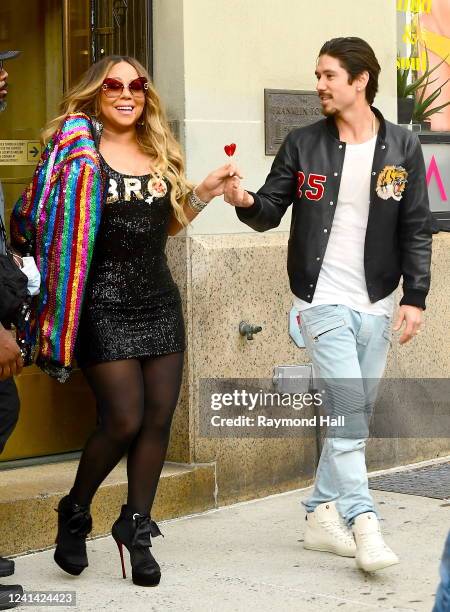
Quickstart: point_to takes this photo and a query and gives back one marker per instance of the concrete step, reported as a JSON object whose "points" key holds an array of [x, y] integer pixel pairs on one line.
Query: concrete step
{"points": [[28, 496]]}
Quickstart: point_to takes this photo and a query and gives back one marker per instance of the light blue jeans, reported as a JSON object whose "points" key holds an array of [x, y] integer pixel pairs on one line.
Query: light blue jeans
{"points": [[345, 344]]}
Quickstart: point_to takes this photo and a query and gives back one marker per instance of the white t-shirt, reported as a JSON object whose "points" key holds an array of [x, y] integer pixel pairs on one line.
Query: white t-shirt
{"points": [[342, 279]]}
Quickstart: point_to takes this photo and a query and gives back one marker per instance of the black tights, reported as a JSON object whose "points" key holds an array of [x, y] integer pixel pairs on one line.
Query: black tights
{"points": [[136, 400]]}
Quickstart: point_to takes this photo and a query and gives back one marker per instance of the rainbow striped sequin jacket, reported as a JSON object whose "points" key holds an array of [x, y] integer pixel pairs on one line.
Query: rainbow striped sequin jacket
{"points": [[57, 219]]}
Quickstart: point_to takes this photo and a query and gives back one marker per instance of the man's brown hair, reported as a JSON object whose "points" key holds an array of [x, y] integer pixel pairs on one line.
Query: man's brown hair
{"points": [[355, 55]]}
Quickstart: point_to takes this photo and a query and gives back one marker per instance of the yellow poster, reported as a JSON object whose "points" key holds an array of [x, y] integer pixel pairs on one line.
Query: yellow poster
{"points": [[434, 38], [424, 50]]}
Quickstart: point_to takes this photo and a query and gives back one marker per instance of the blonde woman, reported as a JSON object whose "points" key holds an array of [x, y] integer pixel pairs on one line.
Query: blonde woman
{"points": [[129, 339]]}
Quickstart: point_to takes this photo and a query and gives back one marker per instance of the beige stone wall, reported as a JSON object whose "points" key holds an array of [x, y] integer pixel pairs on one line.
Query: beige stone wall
{"points": [[243, 277], [235, 278]]}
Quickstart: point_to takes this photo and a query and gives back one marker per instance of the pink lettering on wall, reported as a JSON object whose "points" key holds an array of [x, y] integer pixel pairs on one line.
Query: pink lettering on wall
{"points": [[433, 170]]}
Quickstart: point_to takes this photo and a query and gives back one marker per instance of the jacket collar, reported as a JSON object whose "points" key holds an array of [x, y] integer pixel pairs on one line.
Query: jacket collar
{"points": [[97, 129], [331, 125]]}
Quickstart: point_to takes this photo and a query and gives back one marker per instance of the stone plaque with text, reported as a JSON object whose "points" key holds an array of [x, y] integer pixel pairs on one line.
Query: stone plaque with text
{"points": [[285, 110]]}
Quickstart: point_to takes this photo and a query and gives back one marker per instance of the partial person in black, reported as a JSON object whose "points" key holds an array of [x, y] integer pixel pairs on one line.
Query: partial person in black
{"points": [[10, 365]]}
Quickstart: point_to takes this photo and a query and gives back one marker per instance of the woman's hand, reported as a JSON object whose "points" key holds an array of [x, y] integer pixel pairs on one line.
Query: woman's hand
{"points": [[214, 184]]}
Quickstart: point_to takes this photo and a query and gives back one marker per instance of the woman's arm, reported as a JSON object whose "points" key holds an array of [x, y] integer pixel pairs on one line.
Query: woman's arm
{"points": [[213, 185], [174, 225]]}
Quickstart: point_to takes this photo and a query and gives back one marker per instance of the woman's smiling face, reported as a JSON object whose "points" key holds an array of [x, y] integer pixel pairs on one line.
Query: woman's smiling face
{"points": [[121, 110]]}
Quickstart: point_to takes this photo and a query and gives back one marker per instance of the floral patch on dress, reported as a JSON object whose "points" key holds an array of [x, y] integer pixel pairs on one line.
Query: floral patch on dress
{"points": [[157, 187]]}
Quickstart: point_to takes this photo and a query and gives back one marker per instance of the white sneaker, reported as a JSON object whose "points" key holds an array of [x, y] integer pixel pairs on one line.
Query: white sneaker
{"points": [[325, 531], [372, 553]]}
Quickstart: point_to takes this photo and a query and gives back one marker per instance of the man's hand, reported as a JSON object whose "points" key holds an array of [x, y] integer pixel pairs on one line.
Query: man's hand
{"points": [[11, 362], [235, 195], [3, 79], [413, 319]]}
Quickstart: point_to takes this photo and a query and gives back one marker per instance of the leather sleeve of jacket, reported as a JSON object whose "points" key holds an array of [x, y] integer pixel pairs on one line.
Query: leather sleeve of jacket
{"points": [[277, 193], [415, 237]]}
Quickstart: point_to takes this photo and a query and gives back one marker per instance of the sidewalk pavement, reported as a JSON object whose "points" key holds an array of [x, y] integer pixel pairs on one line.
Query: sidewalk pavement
{"points": [[250, 557]]}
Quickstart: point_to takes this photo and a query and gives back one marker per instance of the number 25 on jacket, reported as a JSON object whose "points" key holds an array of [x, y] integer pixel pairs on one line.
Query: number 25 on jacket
{"points": [[315, 183]]}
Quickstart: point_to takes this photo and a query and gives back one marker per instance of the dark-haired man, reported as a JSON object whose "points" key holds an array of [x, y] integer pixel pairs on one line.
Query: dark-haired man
{"points": [[360, 222]]}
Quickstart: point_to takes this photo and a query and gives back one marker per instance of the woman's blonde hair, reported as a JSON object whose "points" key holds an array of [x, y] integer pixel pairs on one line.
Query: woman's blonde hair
{"points": [[152, 132]]}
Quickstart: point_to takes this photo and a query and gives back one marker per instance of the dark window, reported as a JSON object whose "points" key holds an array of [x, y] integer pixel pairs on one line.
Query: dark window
{"points": [[95, 28]]}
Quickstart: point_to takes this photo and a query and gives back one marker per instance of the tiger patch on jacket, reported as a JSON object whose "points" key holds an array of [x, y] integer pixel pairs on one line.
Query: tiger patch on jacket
{"points": [[391, 183]]}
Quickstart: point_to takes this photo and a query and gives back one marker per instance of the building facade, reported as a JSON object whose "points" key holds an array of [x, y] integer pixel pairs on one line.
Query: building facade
{"points": [[211, 62]]}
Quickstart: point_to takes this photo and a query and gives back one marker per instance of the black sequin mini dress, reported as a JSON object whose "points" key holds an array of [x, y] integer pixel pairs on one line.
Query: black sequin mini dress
{"points": [[132, 306]]}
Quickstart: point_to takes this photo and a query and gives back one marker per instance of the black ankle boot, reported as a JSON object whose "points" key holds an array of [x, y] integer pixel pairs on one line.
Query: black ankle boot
{"points": [[133, 530], [74, 523], [10, 596], [6, 567]]}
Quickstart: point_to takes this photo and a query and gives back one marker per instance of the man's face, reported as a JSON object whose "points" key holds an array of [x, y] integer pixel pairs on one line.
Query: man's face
{"points": [[335, 92]]}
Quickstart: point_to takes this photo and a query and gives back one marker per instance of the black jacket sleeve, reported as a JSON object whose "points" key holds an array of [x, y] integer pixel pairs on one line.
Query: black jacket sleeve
{"points": [[415, 230], [274, 198]]}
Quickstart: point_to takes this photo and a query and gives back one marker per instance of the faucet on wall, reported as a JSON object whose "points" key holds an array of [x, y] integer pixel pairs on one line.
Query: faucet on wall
{"points": [[247, 329]]}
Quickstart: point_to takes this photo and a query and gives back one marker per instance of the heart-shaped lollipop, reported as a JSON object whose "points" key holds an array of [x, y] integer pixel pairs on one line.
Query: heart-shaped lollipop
{"points": [[230, 149]]}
